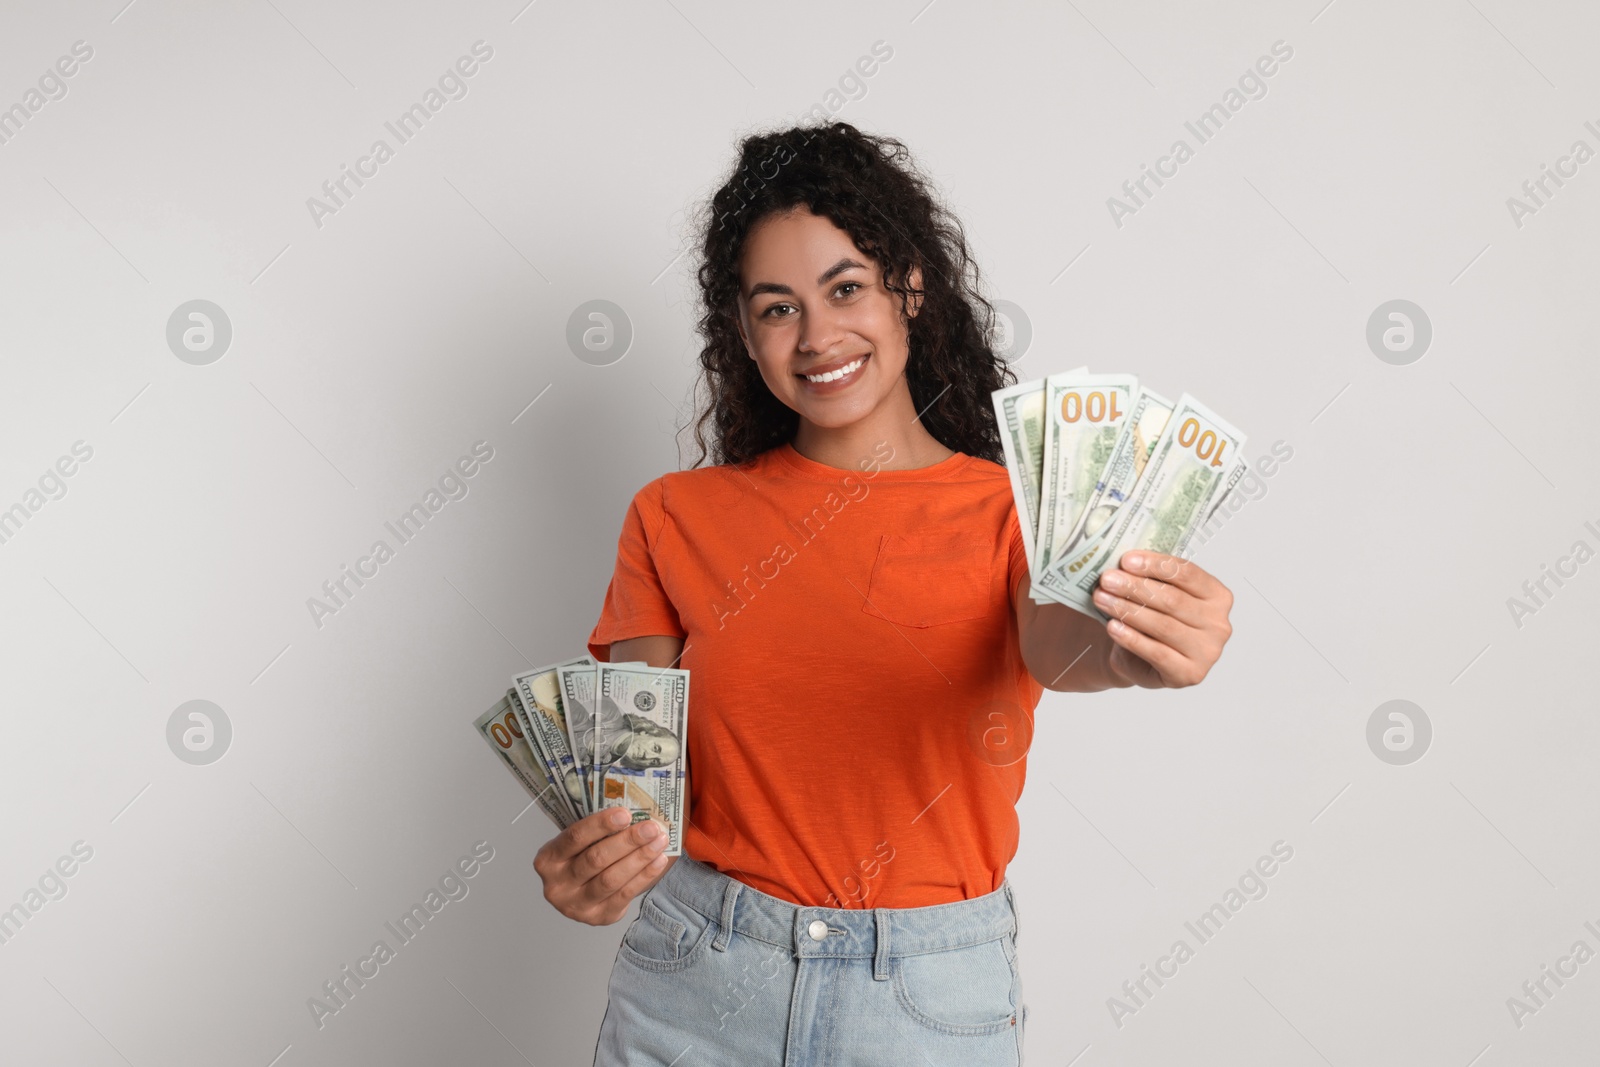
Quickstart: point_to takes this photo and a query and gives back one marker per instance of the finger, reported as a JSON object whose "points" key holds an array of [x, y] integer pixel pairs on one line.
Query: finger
{"points": [[1174, 668], [1158, 595], [639, 883], [1130, 666], [623, 873], [1169, 631], [602, 854], [587, 830], [1190, 577]]}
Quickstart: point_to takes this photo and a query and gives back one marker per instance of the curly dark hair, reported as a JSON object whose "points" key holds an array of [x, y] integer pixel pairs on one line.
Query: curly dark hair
{"points": [[870, 187]]}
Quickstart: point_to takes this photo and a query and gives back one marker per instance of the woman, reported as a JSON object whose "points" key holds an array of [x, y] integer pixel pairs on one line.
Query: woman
{"points": [[849, 588]]}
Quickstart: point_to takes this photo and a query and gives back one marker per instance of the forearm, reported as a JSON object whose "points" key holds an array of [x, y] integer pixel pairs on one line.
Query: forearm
{"points": [[660, 650], [1064, 650]]}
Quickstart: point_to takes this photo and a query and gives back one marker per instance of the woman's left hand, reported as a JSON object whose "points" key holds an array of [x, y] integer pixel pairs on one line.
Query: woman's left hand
{"points": [[1169, 619]]}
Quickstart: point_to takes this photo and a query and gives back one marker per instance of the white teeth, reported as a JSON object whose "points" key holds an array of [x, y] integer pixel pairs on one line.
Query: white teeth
{"points": [[833, 376]]}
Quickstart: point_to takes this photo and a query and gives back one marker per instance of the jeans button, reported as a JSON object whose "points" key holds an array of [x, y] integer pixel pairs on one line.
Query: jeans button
{"points": [[818, 930]]}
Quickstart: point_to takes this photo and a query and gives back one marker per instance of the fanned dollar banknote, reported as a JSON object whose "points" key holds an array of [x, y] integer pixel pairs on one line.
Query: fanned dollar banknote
{"points": [[1099, 466], [575, 686], [546, 726], [501, 726], [1122, 472], [641, 723], [558, 756], [538, 698], [1019, 412], [1194, 464], [1085, 415]]}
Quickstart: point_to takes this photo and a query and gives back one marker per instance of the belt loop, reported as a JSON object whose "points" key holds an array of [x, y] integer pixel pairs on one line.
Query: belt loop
{"points": [[1016, 916], [730, 894], [880, 957]]}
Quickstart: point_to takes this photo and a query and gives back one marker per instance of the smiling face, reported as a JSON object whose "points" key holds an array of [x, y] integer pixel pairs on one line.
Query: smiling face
{"points": [[812, 306]]}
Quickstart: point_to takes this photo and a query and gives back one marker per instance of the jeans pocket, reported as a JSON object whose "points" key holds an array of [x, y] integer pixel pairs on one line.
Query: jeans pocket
{"points": [[666, 936], [964, 991]]}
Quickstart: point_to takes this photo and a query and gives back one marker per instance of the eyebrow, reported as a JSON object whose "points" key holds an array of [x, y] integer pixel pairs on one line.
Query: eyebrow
{"points": [[774, 287]]}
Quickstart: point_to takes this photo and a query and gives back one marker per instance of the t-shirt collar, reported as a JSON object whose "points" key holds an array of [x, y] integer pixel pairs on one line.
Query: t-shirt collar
{"points": [[822, 472]]}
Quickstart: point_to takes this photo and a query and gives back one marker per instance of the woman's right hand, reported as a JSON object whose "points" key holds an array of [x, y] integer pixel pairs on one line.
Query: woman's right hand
{"points": [[594, 868]]}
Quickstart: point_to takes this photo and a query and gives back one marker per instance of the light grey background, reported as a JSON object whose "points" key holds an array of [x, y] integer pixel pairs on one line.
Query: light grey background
{"points": [[372, 351]]}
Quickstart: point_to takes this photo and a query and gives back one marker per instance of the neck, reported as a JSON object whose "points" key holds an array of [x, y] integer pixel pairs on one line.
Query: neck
{"points": [[894, 421]]}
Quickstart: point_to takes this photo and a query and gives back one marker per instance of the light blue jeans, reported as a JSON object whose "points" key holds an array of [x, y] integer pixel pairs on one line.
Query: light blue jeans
{"points": [[715, 973]]}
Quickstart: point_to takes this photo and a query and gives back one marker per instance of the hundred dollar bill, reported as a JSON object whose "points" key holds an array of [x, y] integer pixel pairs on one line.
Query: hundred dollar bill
{"points": [[575, 684], [545, 723], [1019, 412], [1084, 415], [641, 744], [499, 726], [1132, 451], [563, 777], [573, 693], [1117, 480], [546, 689], [1194, 463], [1201, 534]]}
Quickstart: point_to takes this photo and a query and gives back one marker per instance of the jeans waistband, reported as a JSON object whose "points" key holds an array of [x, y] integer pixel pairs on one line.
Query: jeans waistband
{"points": [[837, 932]]}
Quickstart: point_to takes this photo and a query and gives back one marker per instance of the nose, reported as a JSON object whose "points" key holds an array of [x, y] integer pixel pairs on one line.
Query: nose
{"points": [[819, 329]]}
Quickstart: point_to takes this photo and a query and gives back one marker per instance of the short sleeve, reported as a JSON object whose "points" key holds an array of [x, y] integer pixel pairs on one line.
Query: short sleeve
{"points": [[636, 603], [1018, 562]]}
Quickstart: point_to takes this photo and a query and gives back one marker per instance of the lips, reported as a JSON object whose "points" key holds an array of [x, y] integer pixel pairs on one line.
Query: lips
{"points": [[850, 365]]}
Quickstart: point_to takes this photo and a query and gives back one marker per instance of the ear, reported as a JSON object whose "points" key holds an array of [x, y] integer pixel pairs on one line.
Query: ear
{"points": [[914, 281]]}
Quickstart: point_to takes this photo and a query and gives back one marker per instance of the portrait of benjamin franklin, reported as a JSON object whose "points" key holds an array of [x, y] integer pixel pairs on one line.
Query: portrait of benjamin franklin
{"points": [[640, 744], [632, 741]]}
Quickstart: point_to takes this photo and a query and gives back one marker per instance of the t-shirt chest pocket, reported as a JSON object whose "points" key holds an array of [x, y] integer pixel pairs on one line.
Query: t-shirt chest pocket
{"points": [[928, 579]]}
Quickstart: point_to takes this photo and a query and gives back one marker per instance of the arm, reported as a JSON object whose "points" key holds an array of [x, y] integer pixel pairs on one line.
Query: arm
{"points": [[1064, 650], [658, 650], [592, 870], [1169, 621]]}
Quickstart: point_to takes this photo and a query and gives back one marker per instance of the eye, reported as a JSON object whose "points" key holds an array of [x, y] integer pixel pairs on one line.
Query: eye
{"points": [[843, 289]]}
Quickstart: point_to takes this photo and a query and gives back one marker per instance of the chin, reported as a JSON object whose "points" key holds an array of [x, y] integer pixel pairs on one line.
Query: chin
{"points": [[842, 411], [834, 419]]}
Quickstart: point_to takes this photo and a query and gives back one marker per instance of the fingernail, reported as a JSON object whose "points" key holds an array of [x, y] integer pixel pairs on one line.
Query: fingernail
{"points": [[618, 817], [1102, 597], [649, 831], [1133, 561], [1114, 580]]}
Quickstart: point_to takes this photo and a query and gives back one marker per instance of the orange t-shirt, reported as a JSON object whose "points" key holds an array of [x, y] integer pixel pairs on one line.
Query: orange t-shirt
{"points": [[858, 704]]}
